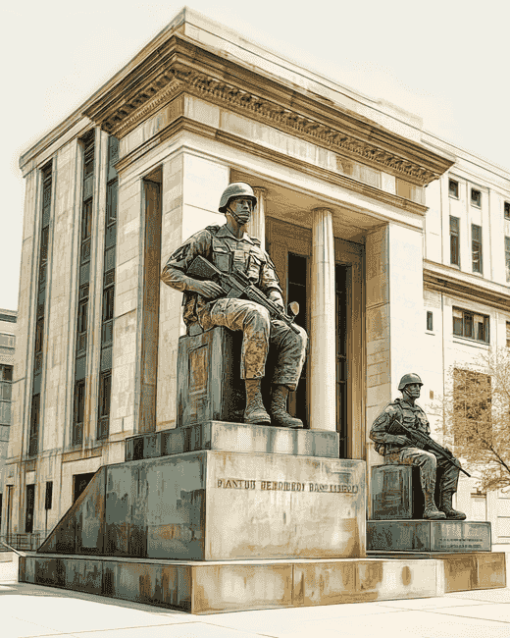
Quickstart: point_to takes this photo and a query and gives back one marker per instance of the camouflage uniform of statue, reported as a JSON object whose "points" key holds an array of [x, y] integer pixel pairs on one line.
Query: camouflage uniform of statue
{"points": [[398, 450], [229, 248]]}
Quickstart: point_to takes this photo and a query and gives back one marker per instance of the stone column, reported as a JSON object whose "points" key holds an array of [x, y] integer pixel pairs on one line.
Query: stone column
{"points": [[257, 224], [322, 328]]}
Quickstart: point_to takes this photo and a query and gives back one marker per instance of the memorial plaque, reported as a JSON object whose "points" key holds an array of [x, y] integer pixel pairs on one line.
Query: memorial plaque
{"points": [[429, 536]]}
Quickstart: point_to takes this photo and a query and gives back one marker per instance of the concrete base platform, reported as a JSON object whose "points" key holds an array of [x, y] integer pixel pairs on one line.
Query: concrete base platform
{"points": [[212, 587], [429, 536], [462, 572]]}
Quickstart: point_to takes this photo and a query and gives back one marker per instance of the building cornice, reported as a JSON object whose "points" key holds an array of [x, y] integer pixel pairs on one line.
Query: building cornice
{"points": [[450, 281], [179, 65], [182, 123]]}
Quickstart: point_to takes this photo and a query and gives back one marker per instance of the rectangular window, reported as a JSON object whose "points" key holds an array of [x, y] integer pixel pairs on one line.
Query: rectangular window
{"points": [[48, 500], [79, 412], [111, 203], [454, 240], [34, 425], [506, 208], [453, 188], [471, 325], [30, 506], [476, 247], [507, 257], [472, 395], [430, 321], [105, 391], [476, 197]]}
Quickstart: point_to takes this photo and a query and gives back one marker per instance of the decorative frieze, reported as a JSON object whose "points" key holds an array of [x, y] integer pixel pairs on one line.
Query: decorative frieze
{"points": [[154, 83]]}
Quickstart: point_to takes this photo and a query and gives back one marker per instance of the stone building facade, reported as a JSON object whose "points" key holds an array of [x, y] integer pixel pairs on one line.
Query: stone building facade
{"points": [[353, 208]]}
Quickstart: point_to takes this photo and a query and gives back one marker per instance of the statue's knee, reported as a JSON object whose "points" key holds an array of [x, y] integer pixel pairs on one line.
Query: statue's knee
{"points": [[259, 316], [428, 460]]}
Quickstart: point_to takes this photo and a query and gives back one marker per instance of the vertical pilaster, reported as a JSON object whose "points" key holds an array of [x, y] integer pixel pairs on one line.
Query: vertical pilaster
{"points": [[257, 224], [323, 354], [395, 317]]}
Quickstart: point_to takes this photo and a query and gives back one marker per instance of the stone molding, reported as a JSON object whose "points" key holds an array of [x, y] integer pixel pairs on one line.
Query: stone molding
{"points": [[182, 123], [440, 278], [180, 66]]}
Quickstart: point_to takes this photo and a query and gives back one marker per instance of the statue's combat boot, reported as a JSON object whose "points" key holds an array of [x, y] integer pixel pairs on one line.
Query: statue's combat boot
{"points": [[255, 412], [431, 512], [279, 415], [446, 507]]}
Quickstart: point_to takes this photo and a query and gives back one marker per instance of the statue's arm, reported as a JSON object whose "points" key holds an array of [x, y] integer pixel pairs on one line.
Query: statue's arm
{"points": [[269, 282], [379, 430], [174, 272]]}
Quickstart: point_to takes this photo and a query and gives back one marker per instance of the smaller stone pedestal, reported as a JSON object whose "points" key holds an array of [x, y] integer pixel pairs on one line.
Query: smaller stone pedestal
{"points": [[396, 492]]}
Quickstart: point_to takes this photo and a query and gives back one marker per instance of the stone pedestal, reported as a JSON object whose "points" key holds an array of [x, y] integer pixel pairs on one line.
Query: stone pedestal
{"points": [[428, 536], [396, 492], [232, 437], [208, 378]]}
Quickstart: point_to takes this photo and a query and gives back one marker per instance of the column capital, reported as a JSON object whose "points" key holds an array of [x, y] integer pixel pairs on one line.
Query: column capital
{"points": [[260, 189], [322, 209]]}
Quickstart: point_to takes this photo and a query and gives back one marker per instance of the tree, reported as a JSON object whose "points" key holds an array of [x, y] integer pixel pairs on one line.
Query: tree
{"points": [[477, 418]]}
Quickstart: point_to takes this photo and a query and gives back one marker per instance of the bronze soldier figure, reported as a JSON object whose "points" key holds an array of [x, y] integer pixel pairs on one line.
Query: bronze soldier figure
{"points": [[231, 249], [399, 450]]}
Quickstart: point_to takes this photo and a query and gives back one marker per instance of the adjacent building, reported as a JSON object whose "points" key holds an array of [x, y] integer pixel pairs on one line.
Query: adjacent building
{"points": [[390, 239], [7, 348]]}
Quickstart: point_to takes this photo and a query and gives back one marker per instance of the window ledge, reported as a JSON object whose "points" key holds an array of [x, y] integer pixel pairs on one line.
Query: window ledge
{"points": [[465, 341], [430, 332]]}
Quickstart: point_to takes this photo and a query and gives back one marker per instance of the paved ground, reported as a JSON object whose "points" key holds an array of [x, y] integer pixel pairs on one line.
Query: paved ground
{"points": [[30, 611]]}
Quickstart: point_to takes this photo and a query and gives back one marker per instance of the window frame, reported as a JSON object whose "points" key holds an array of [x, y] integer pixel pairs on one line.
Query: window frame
{"points": [[454, 239], [476, 193], [478, 242], [470, 326], [453, 195]]}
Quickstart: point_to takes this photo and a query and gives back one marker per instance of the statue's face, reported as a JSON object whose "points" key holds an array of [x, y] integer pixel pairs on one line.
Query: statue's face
{"points": [[241, 209], [413, 390]]}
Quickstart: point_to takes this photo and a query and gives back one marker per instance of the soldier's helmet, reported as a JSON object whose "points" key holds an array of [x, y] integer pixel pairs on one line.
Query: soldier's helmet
{"points": [[409, 378], [238, 189]]}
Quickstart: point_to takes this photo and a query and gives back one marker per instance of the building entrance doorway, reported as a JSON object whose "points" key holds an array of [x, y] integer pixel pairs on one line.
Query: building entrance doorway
{"points": [[290, 248]]}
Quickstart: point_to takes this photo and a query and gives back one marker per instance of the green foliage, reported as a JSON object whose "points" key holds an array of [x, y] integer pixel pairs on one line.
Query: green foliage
{"points": [[477, 418]]}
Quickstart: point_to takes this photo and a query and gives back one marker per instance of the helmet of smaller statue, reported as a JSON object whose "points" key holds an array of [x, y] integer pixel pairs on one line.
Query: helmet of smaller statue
{"points": [[407, 379], [238, 189]]}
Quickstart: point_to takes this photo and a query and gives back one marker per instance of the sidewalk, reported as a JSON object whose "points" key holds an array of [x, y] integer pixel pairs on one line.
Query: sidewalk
{"points": [[32, 611]]}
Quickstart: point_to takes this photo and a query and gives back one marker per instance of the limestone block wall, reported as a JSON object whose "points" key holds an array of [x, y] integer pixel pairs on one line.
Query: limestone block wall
{"points": [[394, 315], [192, 187]]}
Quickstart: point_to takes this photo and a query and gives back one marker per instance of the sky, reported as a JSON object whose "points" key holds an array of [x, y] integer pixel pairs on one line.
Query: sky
{"points": [[444, 60]]}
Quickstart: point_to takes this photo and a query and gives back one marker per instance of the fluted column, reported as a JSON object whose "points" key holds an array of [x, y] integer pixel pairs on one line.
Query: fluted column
{"points": [[322, 328], [257, 225]]}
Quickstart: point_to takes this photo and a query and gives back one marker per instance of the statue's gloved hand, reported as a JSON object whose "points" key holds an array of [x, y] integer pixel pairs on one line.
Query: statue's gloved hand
{"points": [[207, 289], [276, 298], [398, 439]]}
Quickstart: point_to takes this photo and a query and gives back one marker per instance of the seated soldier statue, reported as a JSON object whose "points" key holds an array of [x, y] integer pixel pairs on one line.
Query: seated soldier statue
{"points": [[229, 248], [398, 449]]}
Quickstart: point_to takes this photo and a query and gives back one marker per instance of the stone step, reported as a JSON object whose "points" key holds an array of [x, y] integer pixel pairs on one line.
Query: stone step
{"points": [[232, 437], [428, 536], [462, 572], [212, 587]]}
